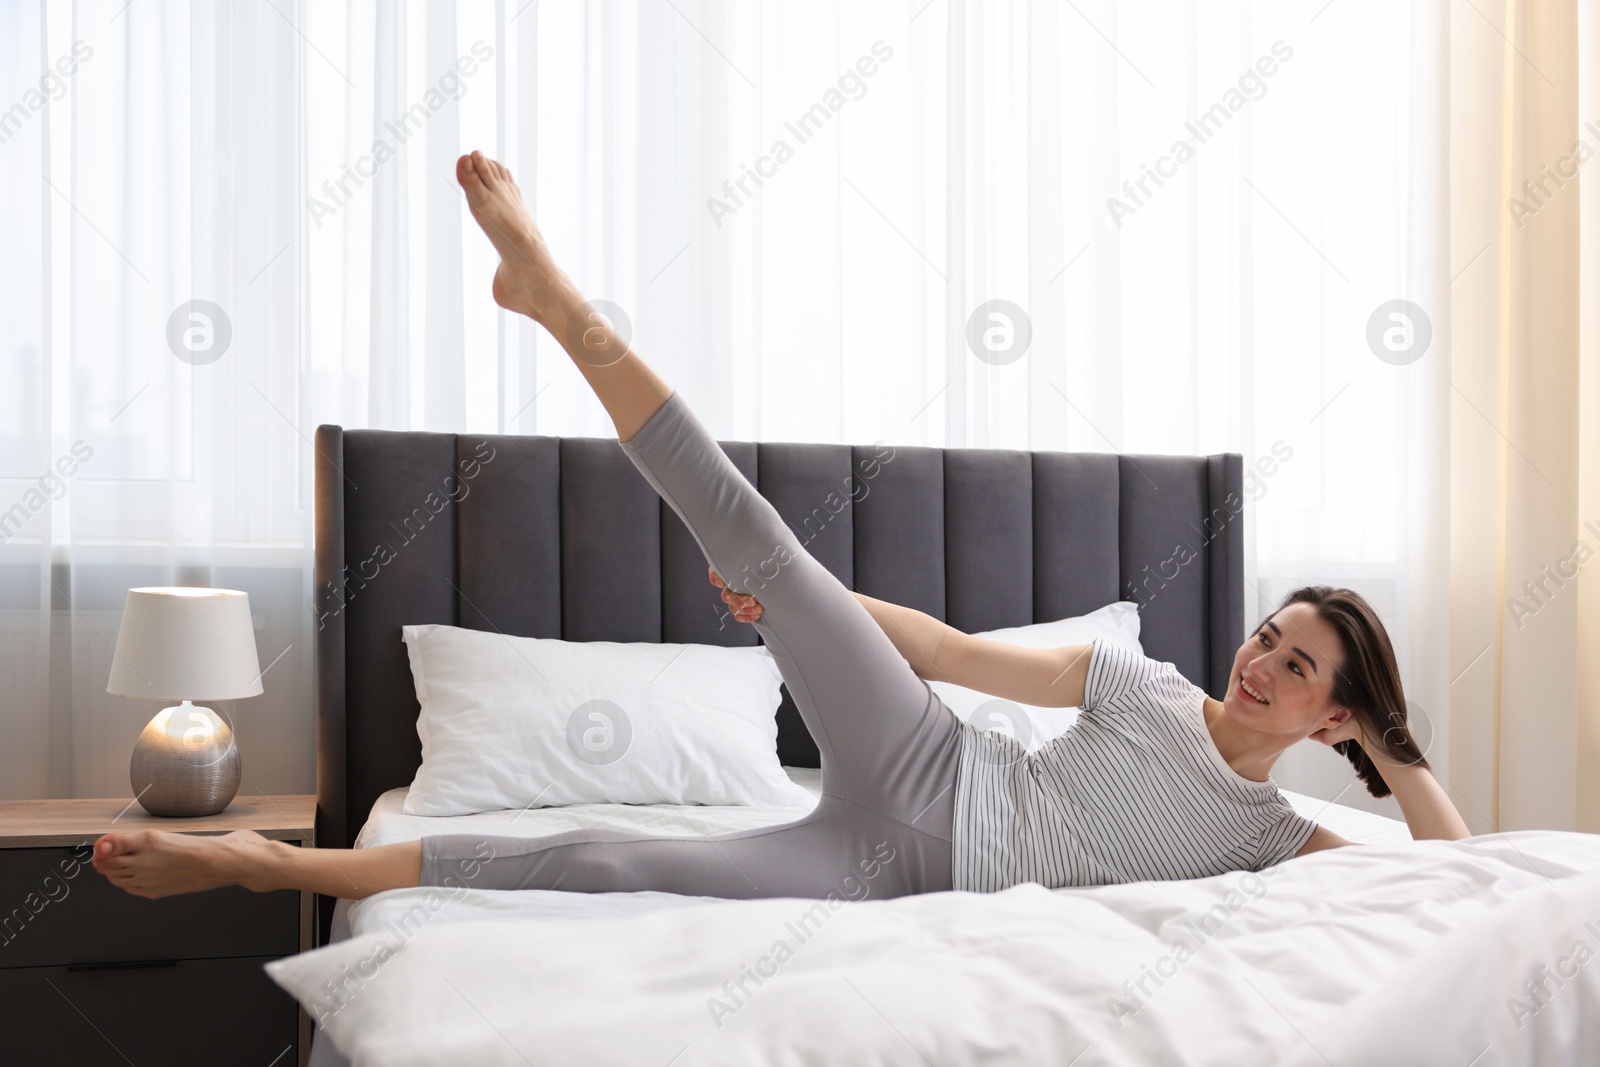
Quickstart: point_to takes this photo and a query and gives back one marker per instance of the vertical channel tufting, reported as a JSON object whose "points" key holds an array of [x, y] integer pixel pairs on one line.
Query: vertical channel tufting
{"points": [[1224, 526], [810, 487], [1074, 533], [988, 533], [509, 532], [899, 526], [610, 545], [1163, 556]]}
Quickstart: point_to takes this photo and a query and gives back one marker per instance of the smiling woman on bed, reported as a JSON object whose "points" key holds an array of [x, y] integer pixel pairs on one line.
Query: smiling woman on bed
{"points": [[1155, 780]]}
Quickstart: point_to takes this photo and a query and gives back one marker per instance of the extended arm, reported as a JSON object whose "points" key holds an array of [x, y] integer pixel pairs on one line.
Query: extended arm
{"points": [[1046, 678]]}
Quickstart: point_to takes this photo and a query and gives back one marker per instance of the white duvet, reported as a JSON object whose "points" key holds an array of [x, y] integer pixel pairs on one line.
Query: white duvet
{"points": [[1402, 953]]}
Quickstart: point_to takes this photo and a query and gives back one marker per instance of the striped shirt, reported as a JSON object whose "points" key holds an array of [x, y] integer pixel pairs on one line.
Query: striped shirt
{"points": [[1135, 790]]}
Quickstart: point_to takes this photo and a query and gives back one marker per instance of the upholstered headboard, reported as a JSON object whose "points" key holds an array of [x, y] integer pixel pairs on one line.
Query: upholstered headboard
{"points": [[561, 537]]}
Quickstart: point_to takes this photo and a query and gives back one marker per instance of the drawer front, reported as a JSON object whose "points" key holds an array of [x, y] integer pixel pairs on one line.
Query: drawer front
{"points": [[200, 1012], [51, 916]]}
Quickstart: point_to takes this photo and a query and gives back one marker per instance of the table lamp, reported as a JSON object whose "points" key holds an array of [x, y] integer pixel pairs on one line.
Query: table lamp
{"points": [[185, 644]]}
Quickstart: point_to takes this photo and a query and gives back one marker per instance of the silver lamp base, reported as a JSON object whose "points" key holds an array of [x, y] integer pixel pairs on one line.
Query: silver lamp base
{"points": [[185, 763]]}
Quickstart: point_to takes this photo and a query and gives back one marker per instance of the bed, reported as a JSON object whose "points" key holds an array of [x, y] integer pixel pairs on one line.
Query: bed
{"points": [[1332, 958]]}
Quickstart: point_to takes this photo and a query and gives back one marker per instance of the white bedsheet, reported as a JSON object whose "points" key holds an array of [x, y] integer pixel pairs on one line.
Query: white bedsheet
{"points": [[1405, 953], [387, 823]]}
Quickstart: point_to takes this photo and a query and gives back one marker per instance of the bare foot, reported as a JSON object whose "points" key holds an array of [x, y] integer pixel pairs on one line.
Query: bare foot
{"points": [[158, 863], [527, 279]]}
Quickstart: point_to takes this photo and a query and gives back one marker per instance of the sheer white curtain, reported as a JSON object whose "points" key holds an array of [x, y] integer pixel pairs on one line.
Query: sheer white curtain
{"points": [[798, 206]]}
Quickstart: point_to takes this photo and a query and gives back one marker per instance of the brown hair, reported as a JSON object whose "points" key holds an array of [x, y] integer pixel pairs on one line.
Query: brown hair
{"points": [[1368, 681]]}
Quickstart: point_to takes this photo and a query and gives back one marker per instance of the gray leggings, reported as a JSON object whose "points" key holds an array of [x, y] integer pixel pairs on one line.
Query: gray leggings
{"points": [[889, 747]]}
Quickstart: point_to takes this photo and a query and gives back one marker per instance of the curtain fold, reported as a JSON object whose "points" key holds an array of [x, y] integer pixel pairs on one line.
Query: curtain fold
{"points": [[808, 214], [1588, 386], [1523, 702]]}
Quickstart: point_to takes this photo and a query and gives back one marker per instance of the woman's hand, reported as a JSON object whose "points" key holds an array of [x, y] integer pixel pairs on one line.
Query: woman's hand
{"points": [[1349, 730], [745, 608]]}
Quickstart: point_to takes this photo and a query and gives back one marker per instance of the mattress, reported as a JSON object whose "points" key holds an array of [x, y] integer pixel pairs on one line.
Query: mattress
{"points": [[387, 824]]}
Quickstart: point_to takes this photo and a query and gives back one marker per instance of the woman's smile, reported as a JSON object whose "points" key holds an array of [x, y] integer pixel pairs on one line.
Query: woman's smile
{"points": [[1251, 692]]}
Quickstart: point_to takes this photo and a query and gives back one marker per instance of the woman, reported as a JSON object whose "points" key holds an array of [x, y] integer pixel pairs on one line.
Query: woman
{"points": [[1155, 780], [1321, 654]]}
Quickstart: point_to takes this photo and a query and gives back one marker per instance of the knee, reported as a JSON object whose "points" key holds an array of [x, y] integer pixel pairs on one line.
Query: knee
{"points": [[456, 861]]}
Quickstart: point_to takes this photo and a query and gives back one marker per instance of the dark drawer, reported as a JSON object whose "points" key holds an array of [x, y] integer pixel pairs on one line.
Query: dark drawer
{"points": [[48, 919], [195, 1012]]}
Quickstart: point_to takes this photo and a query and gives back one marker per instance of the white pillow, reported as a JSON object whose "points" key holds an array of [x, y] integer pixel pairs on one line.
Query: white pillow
{"points": [[1036, 727], [514, 722]]}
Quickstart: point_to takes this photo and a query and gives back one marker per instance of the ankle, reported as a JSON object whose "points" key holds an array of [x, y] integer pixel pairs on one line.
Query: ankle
{"points": [[261, 867], [557, 306]]}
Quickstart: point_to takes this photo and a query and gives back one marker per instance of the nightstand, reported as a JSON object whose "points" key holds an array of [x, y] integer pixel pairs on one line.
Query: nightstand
{"points": [[90, 974]]}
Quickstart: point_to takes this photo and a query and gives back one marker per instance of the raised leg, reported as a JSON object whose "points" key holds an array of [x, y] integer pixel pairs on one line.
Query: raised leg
{"points": [[887, 743]]}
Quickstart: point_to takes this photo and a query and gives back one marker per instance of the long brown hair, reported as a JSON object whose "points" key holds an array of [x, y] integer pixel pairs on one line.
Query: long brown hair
{"points": [[1368, 681]]}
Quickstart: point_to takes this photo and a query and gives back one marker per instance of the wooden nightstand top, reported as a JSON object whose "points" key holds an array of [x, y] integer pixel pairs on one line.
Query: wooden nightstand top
{"points": [[45, 823]]}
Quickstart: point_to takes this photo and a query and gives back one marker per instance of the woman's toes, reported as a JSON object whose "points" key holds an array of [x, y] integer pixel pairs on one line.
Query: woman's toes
{"points": [[116, 851], [108, 846]]}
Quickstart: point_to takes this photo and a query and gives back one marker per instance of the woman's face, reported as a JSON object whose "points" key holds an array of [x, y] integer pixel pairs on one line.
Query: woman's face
{"points": [[1283, 674]]}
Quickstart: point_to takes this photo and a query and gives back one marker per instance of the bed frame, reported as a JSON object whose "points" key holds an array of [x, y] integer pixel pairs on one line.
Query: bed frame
{"points": [[561, 537]]}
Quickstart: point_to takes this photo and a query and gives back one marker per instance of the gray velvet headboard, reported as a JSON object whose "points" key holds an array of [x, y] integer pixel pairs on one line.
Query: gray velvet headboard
{"points": [[561, 537]]}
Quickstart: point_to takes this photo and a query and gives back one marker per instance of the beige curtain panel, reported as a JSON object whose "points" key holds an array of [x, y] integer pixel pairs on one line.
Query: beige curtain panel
{"points": [[1518, 449]]}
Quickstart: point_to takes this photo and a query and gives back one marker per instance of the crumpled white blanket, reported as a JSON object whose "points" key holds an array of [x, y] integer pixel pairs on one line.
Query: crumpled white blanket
{"points": [[1408, 953]]}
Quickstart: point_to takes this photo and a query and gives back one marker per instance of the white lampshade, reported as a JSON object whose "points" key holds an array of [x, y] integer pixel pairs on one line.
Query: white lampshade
{"points": [[178, 643]]}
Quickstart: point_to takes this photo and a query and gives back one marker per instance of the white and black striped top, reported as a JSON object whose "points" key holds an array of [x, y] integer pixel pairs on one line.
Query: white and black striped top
{"points": [[1135, 790]]}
